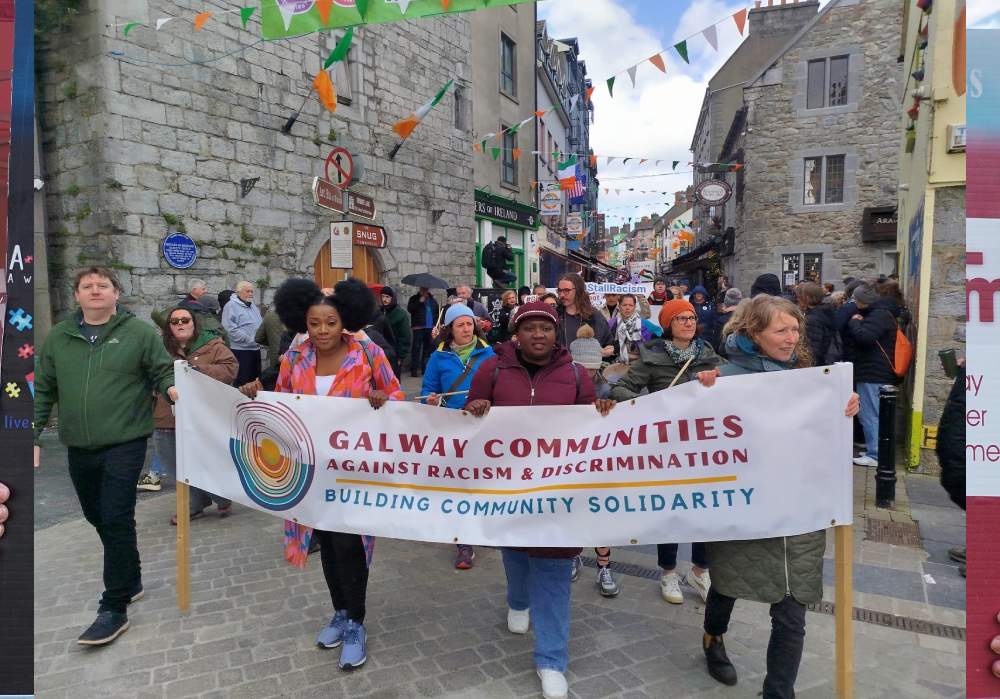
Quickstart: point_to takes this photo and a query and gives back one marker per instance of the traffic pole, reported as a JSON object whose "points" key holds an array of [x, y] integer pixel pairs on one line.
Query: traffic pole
{"points": [[885, 475]]}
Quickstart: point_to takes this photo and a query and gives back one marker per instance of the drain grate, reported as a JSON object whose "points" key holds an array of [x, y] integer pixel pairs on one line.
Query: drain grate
{"points": [[897, 533], [867, 616]]}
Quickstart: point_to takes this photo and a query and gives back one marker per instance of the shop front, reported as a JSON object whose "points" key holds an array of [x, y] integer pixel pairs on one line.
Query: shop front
{"points": [[518, 222]]}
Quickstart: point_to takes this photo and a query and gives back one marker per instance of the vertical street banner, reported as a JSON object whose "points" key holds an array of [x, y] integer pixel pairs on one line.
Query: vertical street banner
{"points": [[982, 375], [17, 345], [702, 464]]}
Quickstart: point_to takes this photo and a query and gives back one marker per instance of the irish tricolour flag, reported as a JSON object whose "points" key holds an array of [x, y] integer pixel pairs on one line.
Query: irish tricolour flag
{"points": [[405, 127], [567, 173]]}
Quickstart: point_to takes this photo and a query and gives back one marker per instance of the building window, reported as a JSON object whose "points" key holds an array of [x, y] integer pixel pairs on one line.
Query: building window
{"points": [[341, 77], [508, 66], [797, 267], [823, 180], [508, 166], [826, 82]]}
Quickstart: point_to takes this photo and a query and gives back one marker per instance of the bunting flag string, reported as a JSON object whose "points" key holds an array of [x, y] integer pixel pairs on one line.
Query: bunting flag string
{"points": [[198, 20]]}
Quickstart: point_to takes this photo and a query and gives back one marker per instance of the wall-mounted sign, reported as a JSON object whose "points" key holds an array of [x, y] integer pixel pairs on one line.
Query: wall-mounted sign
{"points": [[713, 192], [340, 167], [328, 195], [505, 211], [369, 236], [341, 245], [360, 205], [179, 250], [574, 224], [879, 223], [550, 202]]}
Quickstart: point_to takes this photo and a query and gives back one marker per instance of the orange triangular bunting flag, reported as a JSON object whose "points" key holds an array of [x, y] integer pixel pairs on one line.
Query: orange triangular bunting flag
{"points": [[324, 88], [540, 114], [590, 91], [657, 61], [445, 5], [741, 20], [200, 19], [516, 153], [324, 9], [593, 161], [475, 147]]}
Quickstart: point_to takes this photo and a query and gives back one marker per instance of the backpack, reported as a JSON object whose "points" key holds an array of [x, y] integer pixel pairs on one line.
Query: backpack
{"points": [[902, 356], [488, 258]]}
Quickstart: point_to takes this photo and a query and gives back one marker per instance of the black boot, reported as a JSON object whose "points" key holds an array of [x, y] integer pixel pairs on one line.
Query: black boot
{"points": [[719, 665]]}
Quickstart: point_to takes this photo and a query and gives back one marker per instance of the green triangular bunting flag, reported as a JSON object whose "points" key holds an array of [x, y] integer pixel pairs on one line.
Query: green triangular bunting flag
{"points": [[514, 129], [484, 146], [128, 27], [611, 86], [682, 49], [245, 14], [340, 51], [362, 6], [496, 153]]}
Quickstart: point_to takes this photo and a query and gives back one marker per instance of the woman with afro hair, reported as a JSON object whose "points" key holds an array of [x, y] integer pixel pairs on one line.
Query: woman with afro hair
{"points": [[328, 360]]}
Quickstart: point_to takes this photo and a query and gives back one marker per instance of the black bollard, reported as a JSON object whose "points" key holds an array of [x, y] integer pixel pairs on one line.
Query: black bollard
{"points": [[885, 475]]}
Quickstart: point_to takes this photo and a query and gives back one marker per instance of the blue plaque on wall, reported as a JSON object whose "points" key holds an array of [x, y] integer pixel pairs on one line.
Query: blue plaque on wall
{"points": [[179, 250]]}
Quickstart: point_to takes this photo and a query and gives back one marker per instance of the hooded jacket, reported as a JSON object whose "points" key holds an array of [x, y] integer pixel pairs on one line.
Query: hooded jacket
{"points": [[241, 321], [656, 369], [765, 570], [705, 310], [821, 326], [210, 356], [504, 381], [766, 284], [399, 322], [103, 389], [444, 368], [874, 344]]}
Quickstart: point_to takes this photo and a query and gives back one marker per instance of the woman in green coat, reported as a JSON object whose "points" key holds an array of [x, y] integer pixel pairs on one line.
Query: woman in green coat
{"points": [[767, 333], [665, 361]]}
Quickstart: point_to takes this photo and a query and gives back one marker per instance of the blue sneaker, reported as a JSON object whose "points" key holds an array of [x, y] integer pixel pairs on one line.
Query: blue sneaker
{"points": [[353, 653], [332, 634]]}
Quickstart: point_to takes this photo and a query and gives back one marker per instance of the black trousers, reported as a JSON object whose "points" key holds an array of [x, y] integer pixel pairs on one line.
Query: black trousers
{"points": [[420, 350], [666, 555], [105, 481], [346, 571], [784, 650], [249, 361]]}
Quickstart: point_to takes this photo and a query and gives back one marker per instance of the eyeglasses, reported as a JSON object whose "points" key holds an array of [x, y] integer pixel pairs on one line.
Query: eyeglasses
{"points": [[569, 290], [686, 319], [180, 321]]}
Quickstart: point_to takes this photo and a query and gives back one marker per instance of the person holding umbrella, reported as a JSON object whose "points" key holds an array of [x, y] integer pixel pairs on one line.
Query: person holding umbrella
{"points": [[424, 311]]}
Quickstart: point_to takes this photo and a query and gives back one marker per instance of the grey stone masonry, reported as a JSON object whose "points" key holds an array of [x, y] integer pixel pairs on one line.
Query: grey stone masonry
{"points": [[781, 133], [153, 133]]}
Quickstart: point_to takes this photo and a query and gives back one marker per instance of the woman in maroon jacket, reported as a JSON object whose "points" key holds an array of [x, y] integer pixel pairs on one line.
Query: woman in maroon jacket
{"points": [[531, 369]]}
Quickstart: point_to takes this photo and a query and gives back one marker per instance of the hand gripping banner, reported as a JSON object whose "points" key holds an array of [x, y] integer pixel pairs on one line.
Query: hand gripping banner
{"points": [[753, 456]]}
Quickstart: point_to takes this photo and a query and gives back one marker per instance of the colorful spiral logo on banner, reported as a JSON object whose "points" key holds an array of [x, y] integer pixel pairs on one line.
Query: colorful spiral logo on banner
{"points": [[273, 454]]}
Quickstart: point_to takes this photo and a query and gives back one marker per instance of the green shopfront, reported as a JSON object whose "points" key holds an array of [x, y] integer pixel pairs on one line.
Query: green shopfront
{"points": [[499, 216]]}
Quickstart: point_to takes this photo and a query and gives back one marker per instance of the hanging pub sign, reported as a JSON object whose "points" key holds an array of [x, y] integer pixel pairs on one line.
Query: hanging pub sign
{"points": [[878, 223], [713, 192]]}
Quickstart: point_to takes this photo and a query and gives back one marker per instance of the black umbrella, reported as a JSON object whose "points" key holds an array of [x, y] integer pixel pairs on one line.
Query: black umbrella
{"points": [[425, 280]]}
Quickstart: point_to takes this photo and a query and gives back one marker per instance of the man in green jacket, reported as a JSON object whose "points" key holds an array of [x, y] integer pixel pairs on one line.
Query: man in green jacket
{"points": [[101, 366], [399, 321]]}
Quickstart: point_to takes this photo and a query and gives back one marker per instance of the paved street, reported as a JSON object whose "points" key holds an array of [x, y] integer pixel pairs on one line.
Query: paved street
{"points": [[438, 632]]}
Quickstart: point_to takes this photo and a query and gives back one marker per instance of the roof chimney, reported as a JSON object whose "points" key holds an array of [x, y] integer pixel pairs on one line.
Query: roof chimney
{"points": [[781, 17]]}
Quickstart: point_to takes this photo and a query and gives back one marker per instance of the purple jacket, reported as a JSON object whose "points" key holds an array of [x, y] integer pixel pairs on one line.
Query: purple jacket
{"points": [[555, 384]]}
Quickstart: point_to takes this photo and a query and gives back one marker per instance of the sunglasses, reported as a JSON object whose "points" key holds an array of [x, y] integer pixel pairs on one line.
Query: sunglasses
{"points": [[180, 321]]}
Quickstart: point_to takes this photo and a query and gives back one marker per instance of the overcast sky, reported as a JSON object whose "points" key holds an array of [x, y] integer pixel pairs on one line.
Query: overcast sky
{"points": [[656, 119]]}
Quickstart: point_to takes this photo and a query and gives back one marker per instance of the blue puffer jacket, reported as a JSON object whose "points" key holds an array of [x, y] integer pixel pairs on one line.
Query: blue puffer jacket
{"points": [[443, 369], [765, 570]]}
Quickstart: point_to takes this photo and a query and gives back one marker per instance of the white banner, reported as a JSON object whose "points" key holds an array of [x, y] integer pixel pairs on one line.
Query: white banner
{"points": [[754, 456], [982, 380]]}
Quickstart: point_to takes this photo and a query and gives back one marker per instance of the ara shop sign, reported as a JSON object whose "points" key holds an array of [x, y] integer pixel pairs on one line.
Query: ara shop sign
{"points": [[369, 236], [179, 250]]}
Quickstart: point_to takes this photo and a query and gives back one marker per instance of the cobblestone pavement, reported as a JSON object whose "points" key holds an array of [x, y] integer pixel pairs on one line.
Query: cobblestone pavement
{"points": [[438, 632]]}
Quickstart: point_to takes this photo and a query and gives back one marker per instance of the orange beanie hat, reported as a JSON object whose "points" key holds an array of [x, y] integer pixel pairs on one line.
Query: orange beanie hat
{"points": [[673, 308]]}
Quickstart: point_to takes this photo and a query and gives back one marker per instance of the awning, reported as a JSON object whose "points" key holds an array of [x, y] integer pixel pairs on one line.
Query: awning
{"points": [[696, 258]]}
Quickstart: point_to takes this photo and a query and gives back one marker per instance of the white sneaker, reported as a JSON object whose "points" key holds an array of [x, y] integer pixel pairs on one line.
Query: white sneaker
{"points": [[699, 582], [865, 461], [553, 684], [518, 620], [670, 588]]}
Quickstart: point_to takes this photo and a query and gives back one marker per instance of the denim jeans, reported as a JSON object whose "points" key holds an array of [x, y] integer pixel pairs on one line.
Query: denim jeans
{"points": [[165, 449], [542, 585], [784, 649], [666, 555], [105, 481], [869, 416]]}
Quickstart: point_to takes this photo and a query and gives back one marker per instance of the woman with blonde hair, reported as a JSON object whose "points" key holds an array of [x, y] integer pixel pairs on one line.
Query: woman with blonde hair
{"points": [[767, 333]]}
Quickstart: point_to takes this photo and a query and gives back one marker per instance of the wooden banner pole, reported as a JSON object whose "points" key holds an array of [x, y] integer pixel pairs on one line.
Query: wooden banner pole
{"points": [[183, 548], [843, 562]]}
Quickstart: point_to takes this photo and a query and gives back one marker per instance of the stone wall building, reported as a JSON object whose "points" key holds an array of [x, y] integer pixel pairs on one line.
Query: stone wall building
{"points": [[821, 150], [153, 132]]}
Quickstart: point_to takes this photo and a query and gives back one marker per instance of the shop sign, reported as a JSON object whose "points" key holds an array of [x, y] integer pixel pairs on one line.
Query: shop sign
{"points": [[713, 192], [879, 223], [369, 236], [328, 195]]}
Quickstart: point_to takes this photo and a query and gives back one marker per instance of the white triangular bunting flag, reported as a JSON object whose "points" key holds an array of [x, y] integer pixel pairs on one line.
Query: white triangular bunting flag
{"points": [[161, 21], [610, 159], [711, 36], [525, 121], [287, 10], [403, 4], [631, 74], [572, 102]]}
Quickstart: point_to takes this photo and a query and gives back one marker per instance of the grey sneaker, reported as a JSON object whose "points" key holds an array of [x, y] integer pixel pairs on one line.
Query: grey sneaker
{"points": [[606, 582], [577, 565], [149, 481]]}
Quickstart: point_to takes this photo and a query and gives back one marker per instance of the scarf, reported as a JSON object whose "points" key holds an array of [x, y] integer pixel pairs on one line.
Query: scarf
{"points": [[629, 335], [464, 352], [680, 356]]}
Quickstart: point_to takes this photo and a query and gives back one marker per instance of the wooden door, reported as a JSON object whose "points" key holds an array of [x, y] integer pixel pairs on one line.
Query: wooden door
{"points": [[365, 267]]}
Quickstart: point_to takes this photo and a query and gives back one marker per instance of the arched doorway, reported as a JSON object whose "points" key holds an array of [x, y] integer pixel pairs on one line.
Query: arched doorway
{"points": [[366, 267]]}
